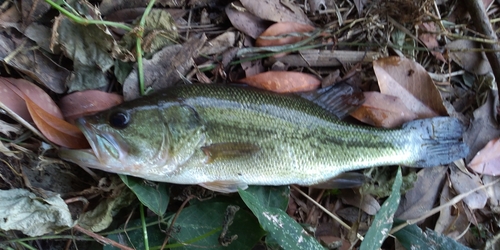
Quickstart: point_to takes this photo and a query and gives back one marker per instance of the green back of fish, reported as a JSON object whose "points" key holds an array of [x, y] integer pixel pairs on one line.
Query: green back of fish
{"points": [[255, 136]]}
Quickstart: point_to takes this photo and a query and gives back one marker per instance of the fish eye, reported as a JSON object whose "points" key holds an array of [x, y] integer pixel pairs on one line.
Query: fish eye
{"points": [[119, 119]]}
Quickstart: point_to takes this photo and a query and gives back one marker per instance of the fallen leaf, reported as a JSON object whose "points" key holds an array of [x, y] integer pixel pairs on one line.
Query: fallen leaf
{"points": [[56, 130], [87, 102], [384, 111], [270, 37], [245, 21], [32, 62], [23, 88], [463, 183], [487, 160], [283, 81], [452, 220], [165, 68], [422, 197], [10, 99], [462, 52], [277, 11], [219, 44], [428, 37], [48, 119], [410, 82]]}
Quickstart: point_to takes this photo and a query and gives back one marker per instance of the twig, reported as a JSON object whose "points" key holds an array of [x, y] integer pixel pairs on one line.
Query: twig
{"points": [[100, 238], [483, 25], [326, 211]]}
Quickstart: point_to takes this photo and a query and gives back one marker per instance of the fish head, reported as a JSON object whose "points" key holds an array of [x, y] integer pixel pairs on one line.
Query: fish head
{"points": [[128, 140]]}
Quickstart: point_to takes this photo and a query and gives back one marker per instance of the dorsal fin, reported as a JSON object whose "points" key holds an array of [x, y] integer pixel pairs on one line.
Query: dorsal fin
{"points": [[339, 99]]}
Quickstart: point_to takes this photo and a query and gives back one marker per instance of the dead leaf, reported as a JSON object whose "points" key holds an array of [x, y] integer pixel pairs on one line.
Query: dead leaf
{"points": [[219, 44], [7, 128], [32, 62], [283, 81], [428, 37], [87, 102], [49, 118], [461, 52], [487, 160], [57, 130], [10, 99], [277, 11], [245, 21], [410, 82], [422, 197], [270, 37], [12, 91], [365, 202], [483, 128], [463, 183], [384, 111], [165, 68], [452, 220], [493, 191]]}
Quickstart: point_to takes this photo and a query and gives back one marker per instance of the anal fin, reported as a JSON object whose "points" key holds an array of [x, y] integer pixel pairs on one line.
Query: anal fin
{"points": [[344, 180], [224, 186]]}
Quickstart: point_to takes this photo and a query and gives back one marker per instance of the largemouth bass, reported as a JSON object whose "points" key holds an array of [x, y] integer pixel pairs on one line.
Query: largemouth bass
{"points": [[228, 137]]}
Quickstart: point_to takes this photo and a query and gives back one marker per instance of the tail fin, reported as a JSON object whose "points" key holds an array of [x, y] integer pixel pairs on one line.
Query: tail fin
{"points": [[438, 140]]}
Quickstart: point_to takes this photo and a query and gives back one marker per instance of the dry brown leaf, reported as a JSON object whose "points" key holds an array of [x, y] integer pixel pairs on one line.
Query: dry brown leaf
{"points": [[463, 183], [283, 81], [428, 37], [487, 160], [37, 95], [410, 82], [10, 99], [277, 11], [452, 220], [462, 52], [87, 102], [279, 29], [48, 119], [245, 21], [56, 130], [382, 110]]}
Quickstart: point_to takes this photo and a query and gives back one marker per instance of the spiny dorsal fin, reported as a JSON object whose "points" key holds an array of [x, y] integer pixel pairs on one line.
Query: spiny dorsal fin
{"points": [[340, 99]]}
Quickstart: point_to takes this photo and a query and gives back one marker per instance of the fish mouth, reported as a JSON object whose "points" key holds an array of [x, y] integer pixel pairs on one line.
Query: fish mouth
{"points": [[106, 147]]}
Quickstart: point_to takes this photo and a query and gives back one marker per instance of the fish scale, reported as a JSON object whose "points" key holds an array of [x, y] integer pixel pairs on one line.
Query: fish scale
{"points": [[227, 137]]}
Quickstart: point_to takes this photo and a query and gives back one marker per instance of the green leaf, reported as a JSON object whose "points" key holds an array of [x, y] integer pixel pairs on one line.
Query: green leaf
{"points": [[286, 231], [271, 196], [382, 224], [198, 226], [152, 195], [412, 237]]}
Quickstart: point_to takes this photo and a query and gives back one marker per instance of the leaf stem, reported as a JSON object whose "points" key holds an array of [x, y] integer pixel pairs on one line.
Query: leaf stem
{"points": [[85, 21], [140, 33]]}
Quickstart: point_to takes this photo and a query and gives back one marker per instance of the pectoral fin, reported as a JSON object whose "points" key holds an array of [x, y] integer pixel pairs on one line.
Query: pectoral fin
{"points": [[224, 186], [344, 180], [230, 150]]}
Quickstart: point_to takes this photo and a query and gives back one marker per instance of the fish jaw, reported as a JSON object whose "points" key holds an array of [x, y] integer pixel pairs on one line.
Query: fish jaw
{"points": [[109, 150]]}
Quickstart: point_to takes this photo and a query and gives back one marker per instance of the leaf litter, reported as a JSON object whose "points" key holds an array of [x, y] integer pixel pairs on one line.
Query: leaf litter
{"points": [[213, 42]]}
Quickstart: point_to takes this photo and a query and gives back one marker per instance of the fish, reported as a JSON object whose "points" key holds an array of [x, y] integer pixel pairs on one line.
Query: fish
{"points": [[226, 137]]}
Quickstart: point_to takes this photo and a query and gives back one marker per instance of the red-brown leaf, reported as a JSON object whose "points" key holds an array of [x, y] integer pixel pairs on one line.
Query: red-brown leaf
{"points": [[87, 102], [382, 110], [282, 28], [487, 160], [283, 81]]}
